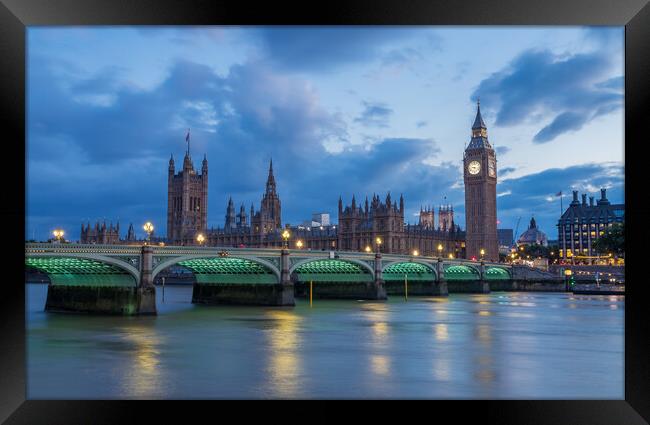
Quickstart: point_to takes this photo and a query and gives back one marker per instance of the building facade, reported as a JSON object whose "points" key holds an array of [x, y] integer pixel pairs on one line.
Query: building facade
{"points": [[100, 234], [360, 226], [582, 224], [260, 229], [480, 177], [187, 201]]}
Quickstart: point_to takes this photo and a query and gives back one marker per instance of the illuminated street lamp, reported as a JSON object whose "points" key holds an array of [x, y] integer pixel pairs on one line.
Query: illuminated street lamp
{"points": [[58, 234], [200, 238], [148, 227], [415, 252], [299, 244], [378, 241], [285, 236], [451, 256], [368, 249], [439, 249], [482, 253]]}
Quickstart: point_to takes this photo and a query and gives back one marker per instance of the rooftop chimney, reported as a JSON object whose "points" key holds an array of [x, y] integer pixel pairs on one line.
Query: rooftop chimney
{"points": [[603, 197], [584, 199], [591, 201], [575, 198]]}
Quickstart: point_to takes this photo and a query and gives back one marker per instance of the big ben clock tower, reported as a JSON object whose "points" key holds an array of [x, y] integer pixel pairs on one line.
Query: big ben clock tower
{"points": [[480, 175]]}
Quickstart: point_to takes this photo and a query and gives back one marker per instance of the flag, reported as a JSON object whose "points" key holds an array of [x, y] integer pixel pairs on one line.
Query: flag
{"points": [[559, 193], [187, 138]]}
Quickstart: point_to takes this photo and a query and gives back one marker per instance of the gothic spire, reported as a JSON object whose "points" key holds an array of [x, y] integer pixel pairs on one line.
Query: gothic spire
{"points": [[270, 181], [478, 121]]}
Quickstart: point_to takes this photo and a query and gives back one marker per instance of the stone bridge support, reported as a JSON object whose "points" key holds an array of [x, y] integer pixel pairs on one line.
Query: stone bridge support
{"points": [[146, 291], [287, 297], [377, 289], [440, 284], [484, 285]]}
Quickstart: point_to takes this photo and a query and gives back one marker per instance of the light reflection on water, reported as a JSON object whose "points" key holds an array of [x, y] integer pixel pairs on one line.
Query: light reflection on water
{"points": [[499, 345], [284, 361]]}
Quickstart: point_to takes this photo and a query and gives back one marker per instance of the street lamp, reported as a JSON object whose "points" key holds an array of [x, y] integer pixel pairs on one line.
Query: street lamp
{"points": [[148, 227], [415, 252], [368, 249], [299, 244], [378, 241], [482, 253], [200, 238], [58, 234], [439, 249], [285, 236], [451, 256]]}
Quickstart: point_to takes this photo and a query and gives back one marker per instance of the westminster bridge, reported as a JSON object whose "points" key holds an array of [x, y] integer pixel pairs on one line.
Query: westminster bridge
{"points": [[118, 279]]}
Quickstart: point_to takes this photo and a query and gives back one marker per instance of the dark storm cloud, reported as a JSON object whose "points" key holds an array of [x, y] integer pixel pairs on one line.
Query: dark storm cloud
{"points": [[328, 48], [535, 193], [570, 89], [374, 115], [103, 151]]}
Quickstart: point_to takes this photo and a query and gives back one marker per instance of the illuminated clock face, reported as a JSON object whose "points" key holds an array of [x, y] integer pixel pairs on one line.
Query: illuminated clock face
{"points": [[474, 167], [492, 170]]}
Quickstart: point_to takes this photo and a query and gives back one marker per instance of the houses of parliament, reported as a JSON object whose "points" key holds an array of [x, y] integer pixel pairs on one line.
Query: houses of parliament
{"points": [[360, 224]]}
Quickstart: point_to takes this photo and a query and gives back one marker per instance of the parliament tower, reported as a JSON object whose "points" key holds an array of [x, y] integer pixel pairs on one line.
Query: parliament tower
{"points": [[480, 176], [187, 201]]}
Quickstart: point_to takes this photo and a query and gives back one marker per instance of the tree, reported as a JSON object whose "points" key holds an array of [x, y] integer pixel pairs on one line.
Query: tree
{"points": [[613, 241]]}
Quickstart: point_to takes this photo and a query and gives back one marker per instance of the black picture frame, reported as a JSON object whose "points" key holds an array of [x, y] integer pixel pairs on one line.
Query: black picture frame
{"points": [[16, 15]]}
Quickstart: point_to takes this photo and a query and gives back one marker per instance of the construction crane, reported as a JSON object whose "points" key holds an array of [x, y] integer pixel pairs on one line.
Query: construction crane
{"points": [[514, 235]]}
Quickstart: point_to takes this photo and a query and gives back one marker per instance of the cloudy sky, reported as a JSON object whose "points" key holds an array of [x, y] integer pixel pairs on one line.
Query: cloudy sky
{"points": [[341, 110]]}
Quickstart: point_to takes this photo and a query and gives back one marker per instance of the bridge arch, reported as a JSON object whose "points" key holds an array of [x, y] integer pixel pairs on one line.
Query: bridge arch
{"points": [[461, 272], [82, 268], [414, 269], [218, 261], [497, 273], [333, 268]]}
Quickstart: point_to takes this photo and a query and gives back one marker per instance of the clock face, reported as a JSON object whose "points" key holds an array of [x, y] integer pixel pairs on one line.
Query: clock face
{"points": [[474, 167], [492, 170]]}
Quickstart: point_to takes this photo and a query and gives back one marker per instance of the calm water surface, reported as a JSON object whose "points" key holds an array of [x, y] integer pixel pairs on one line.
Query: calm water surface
{"points": [[498, 345]]}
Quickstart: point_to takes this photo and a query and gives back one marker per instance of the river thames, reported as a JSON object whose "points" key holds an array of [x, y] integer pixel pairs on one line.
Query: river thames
{"points": [[503, 345]]}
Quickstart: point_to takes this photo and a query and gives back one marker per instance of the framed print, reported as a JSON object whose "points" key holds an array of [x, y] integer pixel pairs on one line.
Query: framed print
{"points": [[236, 202]]}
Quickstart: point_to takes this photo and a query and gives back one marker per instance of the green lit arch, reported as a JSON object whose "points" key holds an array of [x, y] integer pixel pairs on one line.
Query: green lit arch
{"points": [[497, 273], [461, 272], [230, 269], [414, 270], [83, 270], [332, 270]]}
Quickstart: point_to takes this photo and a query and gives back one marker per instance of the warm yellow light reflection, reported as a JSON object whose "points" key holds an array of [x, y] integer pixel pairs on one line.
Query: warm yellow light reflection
{"points": [[380, 364], [144, 378], [285, 364], [442, 332]]}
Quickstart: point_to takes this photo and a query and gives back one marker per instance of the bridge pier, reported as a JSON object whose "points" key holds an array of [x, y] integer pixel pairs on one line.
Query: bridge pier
{"points": [[287, 290], [483, 284], [377, 289], [440, 284]]}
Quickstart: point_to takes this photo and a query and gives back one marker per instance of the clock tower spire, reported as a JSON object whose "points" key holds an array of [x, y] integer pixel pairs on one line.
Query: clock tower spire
{"points": [[480, 177]]}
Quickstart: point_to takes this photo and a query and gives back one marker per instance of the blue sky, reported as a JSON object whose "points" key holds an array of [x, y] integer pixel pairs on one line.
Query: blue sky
{"points": [[341, 110]]}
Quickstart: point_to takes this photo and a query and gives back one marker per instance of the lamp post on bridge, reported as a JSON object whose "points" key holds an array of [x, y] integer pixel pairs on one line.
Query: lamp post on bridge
{"points": [[148, 227], [285, 236], [58, 234], [200, 239], [439, 250], [378, 243]]}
